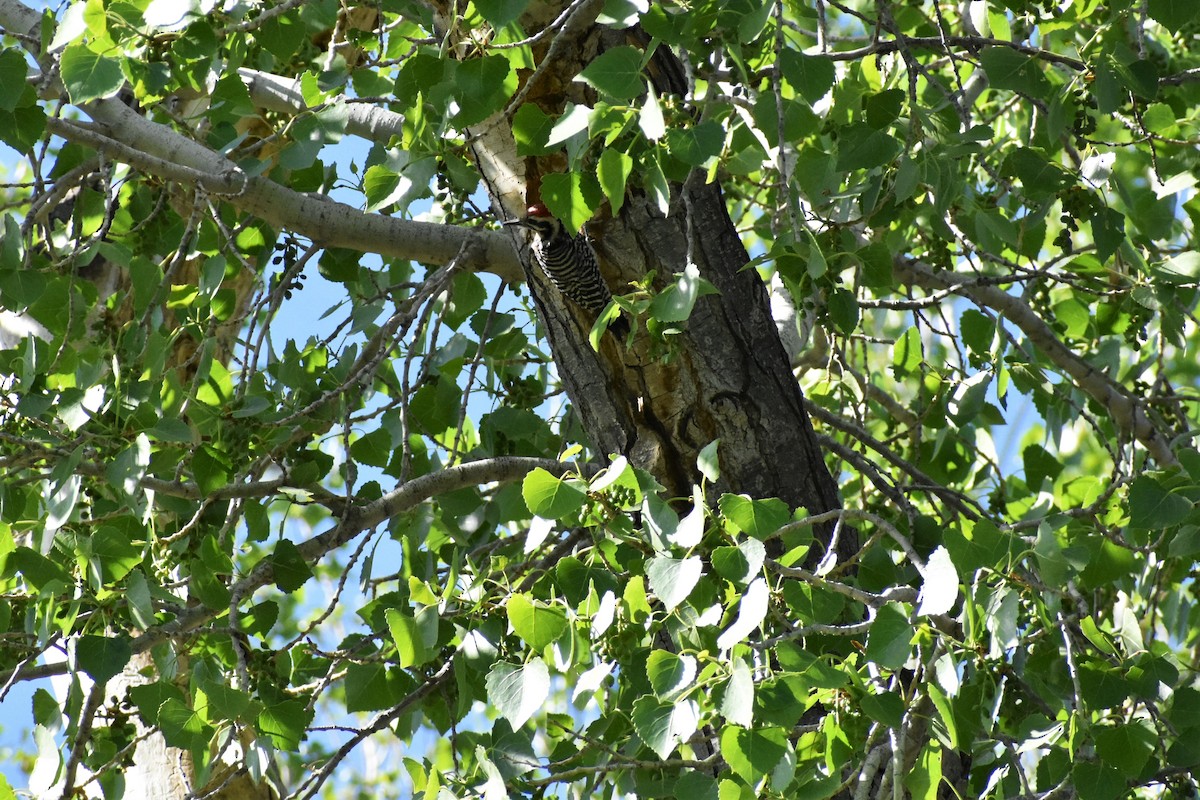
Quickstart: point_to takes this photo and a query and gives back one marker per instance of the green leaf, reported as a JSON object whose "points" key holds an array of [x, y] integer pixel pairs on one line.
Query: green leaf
{"points": [[149, 698], [890, 637], [655, 182], [663, 725], [753, 754], [945, 713], [977, 331], [752, 610], [467, 295], [1108, 232], [21, 129], [373, 449], [675, 303], [708, 461], [637, 606], [978, 545], [260, 618], [531, 131], [501, 12], [1013, 71], [690, 530], [89, 76], [225, 702], [286, 722], [102, 657], [290, 568], [757, 518], [877, 263], [739, 564], [1184, 753], [862, 147], [969, 398], [13, 70], [181, 726], [812, 603], [696, 144], [211, 468], [887, 709], [1102, 686], [482, 87], [367, 687], [650, 118], [116, 553], [692, 785], [518, 691], [1153, 507], [926, 775], [141, 605], [907, 353], [382, 186], [616, 72], [1127, 747], [573, 198], [737, 705], [573, 122], [537, 624], [613, 171], [1038, 176], [550, 497], [1097, 781], [406, 634], [1139, 77], [883, 108], [843, 310], [1158, 118], [1173, 14], [673, 579], [1040, 464], [670, 673], [811, 76]]}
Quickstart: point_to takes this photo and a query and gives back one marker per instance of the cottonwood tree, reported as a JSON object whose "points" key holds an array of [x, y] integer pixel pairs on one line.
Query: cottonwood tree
{"points": [[889, 493]]}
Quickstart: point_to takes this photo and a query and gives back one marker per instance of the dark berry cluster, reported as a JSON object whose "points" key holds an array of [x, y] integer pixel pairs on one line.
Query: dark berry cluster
{"points": [[525, 392], [1077, 203], [286, 257], [1084, 124], [452, 197]]}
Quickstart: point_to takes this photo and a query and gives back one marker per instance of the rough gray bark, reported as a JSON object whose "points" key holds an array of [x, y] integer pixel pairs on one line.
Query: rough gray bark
{"points": [[726, 377]]}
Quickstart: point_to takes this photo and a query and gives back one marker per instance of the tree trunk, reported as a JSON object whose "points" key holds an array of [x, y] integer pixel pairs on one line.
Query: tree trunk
{"points": [[726, 377]]}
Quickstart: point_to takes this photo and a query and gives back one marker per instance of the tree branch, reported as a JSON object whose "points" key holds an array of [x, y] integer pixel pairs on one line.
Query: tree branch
{"points": [[356, 520], [1125, 411], [967, 42], [275, 93], [157, 150], [327, 222]]}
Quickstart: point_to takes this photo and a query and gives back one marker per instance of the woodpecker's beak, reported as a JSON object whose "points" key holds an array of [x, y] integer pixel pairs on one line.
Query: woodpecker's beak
{"points": [[520, 222]]}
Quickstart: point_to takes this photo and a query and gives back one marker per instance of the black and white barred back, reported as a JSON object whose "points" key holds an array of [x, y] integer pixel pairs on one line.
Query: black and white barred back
{"points": [[569, 262]]}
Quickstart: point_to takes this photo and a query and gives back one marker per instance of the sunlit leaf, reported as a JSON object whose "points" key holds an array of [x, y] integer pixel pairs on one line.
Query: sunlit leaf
{"points": [[537, 624], [673, 579], [551, 497], [518, 692], [753, 754], [89, 76], [663, 725]]}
